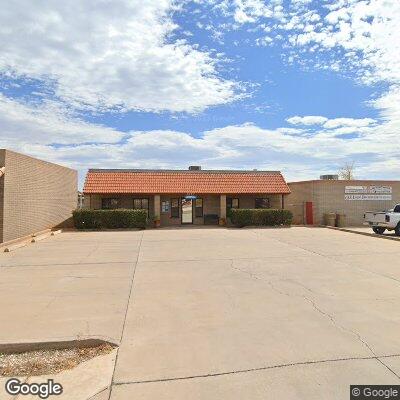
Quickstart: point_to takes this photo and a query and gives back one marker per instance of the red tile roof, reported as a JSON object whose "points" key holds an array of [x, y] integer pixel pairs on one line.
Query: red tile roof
{"points": [[185, 182]]}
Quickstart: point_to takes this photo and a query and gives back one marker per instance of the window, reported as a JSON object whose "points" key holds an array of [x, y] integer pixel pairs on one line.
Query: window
{"points": [[109, 204], [262, 203], [232, 203], [198, 208], [165, 206], [141, 204], [397, 209], [174, 208]]}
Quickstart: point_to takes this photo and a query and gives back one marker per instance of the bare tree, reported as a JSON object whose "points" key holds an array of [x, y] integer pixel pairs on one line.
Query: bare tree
{"points": [[347, 171]]}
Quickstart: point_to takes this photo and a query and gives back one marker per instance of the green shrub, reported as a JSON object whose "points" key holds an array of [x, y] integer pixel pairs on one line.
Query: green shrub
{"points": [[109, 219], [260, 216]]}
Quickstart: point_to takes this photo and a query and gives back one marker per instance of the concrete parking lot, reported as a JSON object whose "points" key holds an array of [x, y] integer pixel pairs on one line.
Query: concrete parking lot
{"points": [[209, 313]]}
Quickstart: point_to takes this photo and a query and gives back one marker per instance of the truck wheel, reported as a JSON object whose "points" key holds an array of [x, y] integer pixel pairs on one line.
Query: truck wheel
{"points": [[397, 230], [379, 231]]}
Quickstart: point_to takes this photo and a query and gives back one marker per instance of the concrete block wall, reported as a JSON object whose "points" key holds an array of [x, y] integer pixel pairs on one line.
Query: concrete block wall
{"points": [[36, 195], [2, 164], [301, 192], [329, 196]]}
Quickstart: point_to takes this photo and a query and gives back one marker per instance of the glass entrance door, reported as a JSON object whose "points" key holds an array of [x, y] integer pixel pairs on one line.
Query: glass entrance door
{"points": [[187, 211]]}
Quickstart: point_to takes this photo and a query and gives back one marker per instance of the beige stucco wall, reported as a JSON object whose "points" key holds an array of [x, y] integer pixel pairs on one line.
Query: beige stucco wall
{"points": [[328, 196], [211, 204], [37, 195]]}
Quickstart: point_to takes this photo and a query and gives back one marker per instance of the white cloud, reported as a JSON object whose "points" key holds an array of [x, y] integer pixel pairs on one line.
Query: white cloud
{"points": [[307, 120], [53, 134], [117, 54], [48, 123], [360, 38], [125, 56], [367, 32], [264, 41], [351, 122], [389, 105], [250, 10]]}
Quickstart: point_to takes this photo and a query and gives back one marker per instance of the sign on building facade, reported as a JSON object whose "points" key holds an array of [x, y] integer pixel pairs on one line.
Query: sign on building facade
{"points": [[373, 192]]}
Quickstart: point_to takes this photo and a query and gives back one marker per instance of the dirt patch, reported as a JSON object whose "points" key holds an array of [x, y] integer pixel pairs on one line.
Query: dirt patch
{"points": [[45, 362]]}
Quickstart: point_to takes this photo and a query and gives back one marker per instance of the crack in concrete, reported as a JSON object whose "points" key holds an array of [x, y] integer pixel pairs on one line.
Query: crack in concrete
{"points": [[63, 264], [95, 249], [386, 366], [331, 257], [314, 305], [329, 316], [272, 284], [243, 371], [99, 392]]}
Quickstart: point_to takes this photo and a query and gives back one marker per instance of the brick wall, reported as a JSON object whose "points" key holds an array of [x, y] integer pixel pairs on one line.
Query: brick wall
{"points": [[37, 195]]}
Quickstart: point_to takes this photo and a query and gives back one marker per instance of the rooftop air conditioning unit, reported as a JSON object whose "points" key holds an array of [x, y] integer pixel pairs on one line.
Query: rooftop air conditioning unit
{"points": [[194, 168], [329, 177]]}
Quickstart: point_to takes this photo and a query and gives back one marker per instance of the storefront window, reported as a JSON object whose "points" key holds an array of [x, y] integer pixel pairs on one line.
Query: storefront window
{"points": [[165, 206], [262, 203], [141, 204], [175, 208], [109, 204], [232, 203], [199, 207]]}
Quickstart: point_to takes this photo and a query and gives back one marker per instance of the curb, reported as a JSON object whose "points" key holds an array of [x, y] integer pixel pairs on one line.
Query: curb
{"points": [[362, 233], [15, 244], [55, 344], [40, 237]]}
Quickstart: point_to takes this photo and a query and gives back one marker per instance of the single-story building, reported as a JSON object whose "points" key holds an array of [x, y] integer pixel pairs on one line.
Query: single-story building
{"points": [[310, 200], [192, 196], [34, 195]]}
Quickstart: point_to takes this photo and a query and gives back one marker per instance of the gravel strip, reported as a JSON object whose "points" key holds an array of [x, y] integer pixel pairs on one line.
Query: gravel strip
{"points": [[46, 362]]}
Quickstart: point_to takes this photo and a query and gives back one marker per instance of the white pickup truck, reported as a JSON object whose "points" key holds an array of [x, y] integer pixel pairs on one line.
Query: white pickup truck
{"points": [[382, 220]]}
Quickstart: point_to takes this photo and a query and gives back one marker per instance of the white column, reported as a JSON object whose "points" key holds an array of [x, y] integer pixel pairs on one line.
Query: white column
{"points": [[222, 211]]}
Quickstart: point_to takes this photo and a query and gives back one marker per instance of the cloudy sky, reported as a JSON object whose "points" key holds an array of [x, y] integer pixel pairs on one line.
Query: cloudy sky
{"points": [[298, 85]]}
